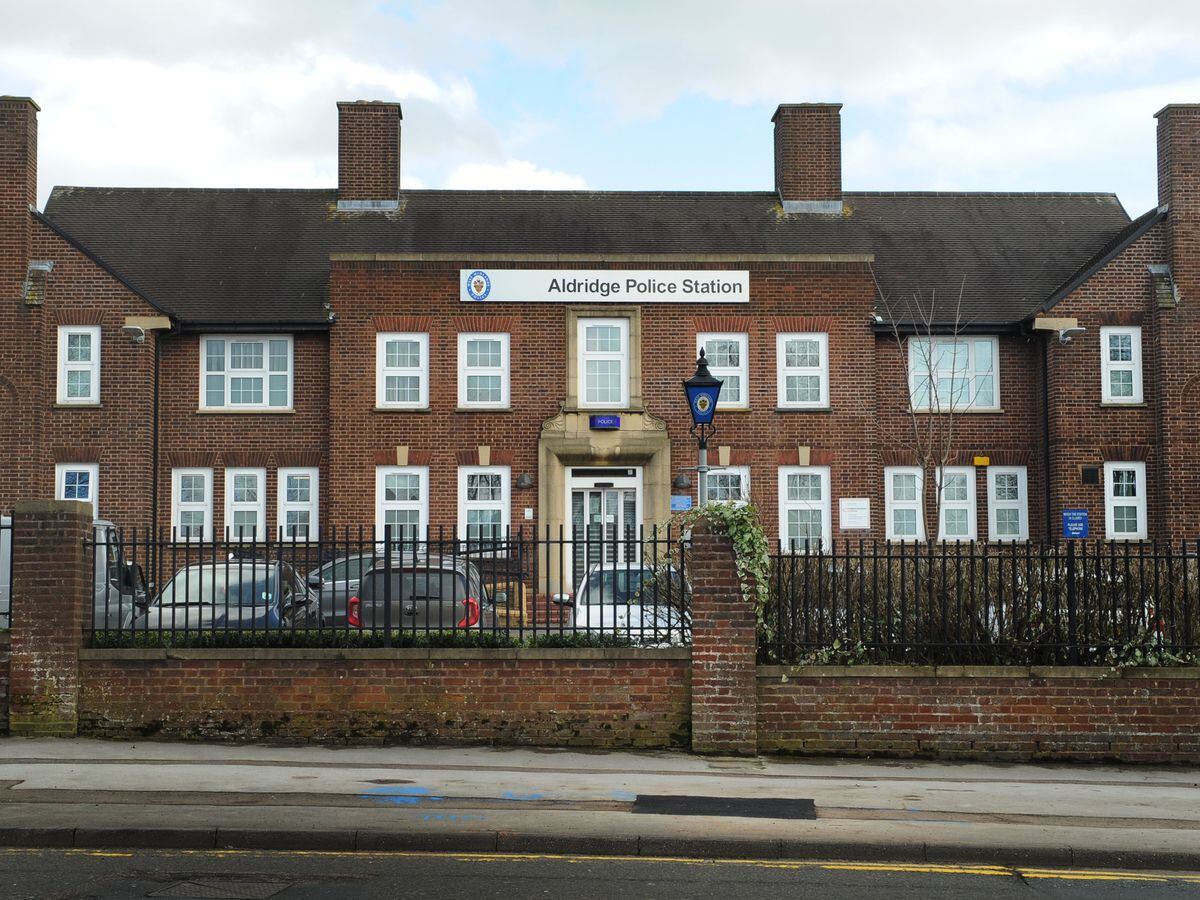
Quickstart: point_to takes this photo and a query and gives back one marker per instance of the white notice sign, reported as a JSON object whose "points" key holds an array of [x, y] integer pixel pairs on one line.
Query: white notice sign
{"points": [[854, 513], [603, 286]]}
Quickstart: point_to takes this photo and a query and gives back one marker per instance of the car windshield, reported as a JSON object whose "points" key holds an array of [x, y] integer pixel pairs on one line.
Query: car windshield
{"points": [[232, 585], [418, 584], [615, 587]]}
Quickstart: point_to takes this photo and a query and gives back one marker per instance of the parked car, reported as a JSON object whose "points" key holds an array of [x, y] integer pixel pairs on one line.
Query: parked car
{"points": [[235, 594], [651, 604], [118, 586], [337, 581], [432, 593]]}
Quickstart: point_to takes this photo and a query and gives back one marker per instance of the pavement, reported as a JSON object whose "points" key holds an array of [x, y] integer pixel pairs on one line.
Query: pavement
{"points": [[102, 794]]}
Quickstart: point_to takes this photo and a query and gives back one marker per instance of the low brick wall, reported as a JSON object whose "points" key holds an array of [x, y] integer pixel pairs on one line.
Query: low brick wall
{"points": [[5, 654], [1016, 713], [582, 698]]}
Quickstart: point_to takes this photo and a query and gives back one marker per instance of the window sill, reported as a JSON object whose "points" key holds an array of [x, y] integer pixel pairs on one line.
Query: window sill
{"points": [[402, 409], [732, 409], [233, 411], [957, 412], [1113, 404], [804, 409], [483, 409], [76, 406]]}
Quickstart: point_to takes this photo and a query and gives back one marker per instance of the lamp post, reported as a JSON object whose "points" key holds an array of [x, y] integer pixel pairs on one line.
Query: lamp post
{"points": [[702, 390]]}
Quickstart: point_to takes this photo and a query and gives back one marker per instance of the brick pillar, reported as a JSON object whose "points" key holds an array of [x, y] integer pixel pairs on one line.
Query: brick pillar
{"points": [[51, 591], [724, 650]]}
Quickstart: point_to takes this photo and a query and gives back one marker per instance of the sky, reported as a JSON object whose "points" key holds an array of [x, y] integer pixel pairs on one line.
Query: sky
{"points": [[603, 94]]}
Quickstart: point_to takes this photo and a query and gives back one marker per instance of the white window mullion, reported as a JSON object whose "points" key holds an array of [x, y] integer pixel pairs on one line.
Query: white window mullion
{"points": [[953, 374], [956, 495], [805, 509], [191, 503], [1121, 364], [402, 501], [1008, 503], [802, 371], [730, 484], [79, 364], [78, 481], [246, 504], [904, 503], [602, 346], [483, 371], [246, 372], [402, 370], [728, 360], [298, 504], [484, 505], [1125, 501]]}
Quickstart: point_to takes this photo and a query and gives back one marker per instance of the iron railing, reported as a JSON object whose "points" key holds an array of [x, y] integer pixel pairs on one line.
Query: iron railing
{"points": [[345, 588], [1078, 603]]}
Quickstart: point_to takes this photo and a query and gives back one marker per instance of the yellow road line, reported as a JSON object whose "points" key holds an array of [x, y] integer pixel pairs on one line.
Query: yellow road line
{"points": [[799, 864]]}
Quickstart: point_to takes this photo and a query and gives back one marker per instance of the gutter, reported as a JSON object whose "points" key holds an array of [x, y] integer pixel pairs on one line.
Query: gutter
{"points": [[273, 326]]}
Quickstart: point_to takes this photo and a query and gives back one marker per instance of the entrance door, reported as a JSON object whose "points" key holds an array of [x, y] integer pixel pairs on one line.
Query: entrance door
{"points": [[605, 509]]}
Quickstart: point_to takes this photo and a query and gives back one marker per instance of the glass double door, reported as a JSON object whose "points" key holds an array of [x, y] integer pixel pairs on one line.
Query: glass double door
{"points": [[604, 527]]}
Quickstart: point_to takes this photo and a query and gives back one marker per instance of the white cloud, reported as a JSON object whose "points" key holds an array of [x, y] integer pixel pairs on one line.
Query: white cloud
{"points": [[517, 174]]}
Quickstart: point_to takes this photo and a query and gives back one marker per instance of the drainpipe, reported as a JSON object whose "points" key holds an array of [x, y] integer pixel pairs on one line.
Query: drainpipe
{"points": [[1046, 433], [154, 444]]}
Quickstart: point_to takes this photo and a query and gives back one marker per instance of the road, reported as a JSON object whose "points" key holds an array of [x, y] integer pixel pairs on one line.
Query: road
{"points": [[296, 875]]}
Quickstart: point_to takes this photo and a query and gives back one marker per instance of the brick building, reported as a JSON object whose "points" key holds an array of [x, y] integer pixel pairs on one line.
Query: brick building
{"points": [[291, 359]]}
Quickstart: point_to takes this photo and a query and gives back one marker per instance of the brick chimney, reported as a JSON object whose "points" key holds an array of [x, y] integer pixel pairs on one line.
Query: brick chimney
{"points": [[18, 190], [1178, 321], [368, 154], [808, 157]]}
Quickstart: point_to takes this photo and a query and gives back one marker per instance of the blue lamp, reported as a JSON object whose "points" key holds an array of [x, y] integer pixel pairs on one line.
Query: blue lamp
{"points": [[702, 391]]}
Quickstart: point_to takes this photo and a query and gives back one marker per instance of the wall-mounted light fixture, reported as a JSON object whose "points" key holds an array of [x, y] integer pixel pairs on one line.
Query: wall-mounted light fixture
{"points": [[681, 482], [524, 481]]}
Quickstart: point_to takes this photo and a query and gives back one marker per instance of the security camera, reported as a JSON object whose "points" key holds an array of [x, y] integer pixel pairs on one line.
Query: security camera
{"points": [[1066, 334], [135, 332]]}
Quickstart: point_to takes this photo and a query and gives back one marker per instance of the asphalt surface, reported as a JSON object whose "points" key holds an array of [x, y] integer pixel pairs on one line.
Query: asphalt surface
{"points": [[296, 875]]}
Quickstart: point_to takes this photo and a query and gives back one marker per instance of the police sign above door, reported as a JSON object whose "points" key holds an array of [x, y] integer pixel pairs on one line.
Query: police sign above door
{"points": [[603, 286]]}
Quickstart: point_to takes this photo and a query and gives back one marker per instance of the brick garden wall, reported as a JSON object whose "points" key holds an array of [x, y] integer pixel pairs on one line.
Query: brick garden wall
{"points": [[578, 698], [983, 713]]}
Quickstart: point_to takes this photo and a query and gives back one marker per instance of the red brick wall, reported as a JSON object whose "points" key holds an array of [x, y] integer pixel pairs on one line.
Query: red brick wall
{"points": [[784, 297], [1018, 714], [808, 151], [52, 591], [18, 191], [368, 151], [724, 646], [563, 698], [267, 440], [1081, 426]]}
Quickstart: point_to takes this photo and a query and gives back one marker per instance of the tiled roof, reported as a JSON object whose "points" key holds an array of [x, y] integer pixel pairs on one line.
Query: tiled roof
{"points": [[262, 256]]}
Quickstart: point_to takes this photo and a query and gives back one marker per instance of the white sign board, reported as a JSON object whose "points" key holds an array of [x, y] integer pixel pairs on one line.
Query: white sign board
{"points": [[603, 286], [854, 513]]}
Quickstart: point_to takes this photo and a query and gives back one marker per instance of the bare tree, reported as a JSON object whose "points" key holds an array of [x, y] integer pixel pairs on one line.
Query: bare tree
{"points": [[943, 377]]}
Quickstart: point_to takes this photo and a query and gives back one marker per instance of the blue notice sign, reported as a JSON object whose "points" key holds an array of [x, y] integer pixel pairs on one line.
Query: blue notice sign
{"points": [[1075, 523], [681, 502], [604, 423]]}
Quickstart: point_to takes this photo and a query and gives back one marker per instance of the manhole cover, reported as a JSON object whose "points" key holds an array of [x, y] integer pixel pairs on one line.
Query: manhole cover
{"points": [[225, 890]]}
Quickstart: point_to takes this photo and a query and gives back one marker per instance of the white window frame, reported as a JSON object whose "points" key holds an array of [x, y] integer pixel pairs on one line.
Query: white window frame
{"points": [[742, 472], [935, 404], [1021, 504], [228, 373], [382, 370], [93, 472], [782, 370], [1111, 501], [1108, 366], [826, 504], [969, 504], [584, 355], [205, 506], [504, 503], [65, 366], [465, 370], [742, 370], [890, 503], [257, 532], [284, 506], [421, 504]]}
